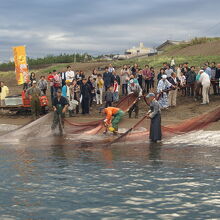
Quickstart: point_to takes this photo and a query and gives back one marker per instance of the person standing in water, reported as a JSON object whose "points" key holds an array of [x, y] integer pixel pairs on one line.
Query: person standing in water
{"points": [[154, 115], [60, 105]]}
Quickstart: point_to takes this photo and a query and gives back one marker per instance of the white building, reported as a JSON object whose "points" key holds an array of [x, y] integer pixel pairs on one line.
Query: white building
{"points": [[140, 50]]}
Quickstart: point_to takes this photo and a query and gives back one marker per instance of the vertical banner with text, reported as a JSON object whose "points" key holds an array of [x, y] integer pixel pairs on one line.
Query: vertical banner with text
{"points": [[21, 67]]}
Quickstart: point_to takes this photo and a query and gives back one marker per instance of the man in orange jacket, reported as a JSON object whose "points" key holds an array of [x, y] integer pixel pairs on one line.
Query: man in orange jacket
{"points": [[110, 112]]}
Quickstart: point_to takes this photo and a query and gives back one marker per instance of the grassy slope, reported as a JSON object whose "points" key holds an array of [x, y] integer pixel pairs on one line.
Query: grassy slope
{"points": [[158, 60], [196, 52]]}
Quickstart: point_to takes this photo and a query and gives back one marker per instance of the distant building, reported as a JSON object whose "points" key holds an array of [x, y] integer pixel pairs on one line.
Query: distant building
{"points": [[166, 44], [141, 50]]}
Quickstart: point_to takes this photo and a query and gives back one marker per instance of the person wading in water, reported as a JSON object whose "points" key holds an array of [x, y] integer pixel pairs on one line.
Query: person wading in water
{"points": [[112, 124], [60, 105], [154, 115]]}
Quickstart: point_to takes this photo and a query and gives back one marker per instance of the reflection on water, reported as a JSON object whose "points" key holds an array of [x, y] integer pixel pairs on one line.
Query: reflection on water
{"points": [[148, 181]]}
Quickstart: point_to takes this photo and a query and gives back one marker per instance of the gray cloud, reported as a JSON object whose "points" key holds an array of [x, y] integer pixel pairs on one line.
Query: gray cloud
{"points": [[99, 26]]}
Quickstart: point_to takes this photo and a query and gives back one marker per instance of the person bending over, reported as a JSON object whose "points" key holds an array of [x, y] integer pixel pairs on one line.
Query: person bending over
{"points": [[113, 118]]}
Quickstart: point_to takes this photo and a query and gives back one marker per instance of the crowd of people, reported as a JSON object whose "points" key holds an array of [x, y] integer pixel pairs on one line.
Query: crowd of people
{"points": [[105, 88], [72, 91]]}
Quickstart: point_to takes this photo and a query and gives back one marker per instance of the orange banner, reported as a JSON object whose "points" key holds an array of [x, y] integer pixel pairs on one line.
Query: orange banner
{"points": [[21, 67]]}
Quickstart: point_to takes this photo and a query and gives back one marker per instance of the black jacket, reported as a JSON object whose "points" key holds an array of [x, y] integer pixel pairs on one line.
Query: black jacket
{"points": [[190, 77], [108, 79], [217, 75], [85, 90]]}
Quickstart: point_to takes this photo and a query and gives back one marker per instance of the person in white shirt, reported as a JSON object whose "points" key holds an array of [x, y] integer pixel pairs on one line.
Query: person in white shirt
{"points": [[111, 69], [70, 75], [205, 81], [168, 71], [172, 63]]}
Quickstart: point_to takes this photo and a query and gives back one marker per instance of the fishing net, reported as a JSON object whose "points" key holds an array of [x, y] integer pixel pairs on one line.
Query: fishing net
{"points": [[42, 126], [35, 129], [196, 123], [96, 127], [140, 131]]}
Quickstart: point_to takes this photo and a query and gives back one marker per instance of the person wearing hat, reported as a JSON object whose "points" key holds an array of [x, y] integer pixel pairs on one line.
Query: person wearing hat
{"points": [[60, 105], [70, 75], [155, 116], [162, 88], [136, 89], [205, 82], [112, 124], [34, 94]]}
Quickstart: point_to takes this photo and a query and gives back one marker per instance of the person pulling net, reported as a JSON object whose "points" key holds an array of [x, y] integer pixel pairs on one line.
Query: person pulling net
{"points": [[60, 105], [113, 118], [155, 117]]}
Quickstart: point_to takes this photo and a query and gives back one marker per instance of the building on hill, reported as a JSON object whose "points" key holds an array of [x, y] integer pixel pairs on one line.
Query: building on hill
{"points": [[163, 46], [140, 50]]}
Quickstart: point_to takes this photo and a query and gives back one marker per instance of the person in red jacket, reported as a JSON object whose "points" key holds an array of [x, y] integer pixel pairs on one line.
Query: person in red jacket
{"points": [[113, 117]]}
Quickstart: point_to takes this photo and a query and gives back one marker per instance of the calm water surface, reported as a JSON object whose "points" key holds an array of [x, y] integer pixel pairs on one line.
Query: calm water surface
{"points": [[139, 181]]}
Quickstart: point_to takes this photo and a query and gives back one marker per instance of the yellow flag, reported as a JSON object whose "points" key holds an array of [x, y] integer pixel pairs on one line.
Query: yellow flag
{"points": [[21, 67]]}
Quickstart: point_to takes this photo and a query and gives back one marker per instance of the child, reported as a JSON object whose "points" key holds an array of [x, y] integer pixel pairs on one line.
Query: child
{"points": [[183, 84], [109, 97], [115, 91]]}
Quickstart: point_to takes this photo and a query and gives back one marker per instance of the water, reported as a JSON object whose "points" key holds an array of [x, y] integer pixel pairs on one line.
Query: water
{"points": [[45, 180]]}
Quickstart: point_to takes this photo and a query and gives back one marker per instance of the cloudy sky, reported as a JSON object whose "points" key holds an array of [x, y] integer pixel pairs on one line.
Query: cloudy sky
{"points": [[101, 26]]}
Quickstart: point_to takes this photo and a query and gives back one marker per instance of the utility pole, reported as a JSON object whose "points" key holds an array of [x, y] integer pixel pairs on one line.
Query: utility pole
{"points": [[74, 57]]}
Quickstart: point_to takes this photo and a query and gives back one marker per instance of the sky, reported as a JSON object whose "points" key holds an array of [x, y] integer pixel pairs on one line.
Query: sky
{"points": [[101, 26]]}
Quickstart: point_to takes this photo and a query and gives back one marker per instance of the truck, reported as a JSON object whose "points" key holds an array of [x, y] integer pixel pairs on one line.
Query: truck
{"points": [[22, 104]]}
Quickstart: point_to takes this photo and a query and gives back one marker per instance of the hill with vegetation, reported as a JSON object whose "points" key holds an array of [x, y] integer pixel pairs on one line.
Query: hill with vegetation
{"points": [[195, 52], [196, 47]]}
